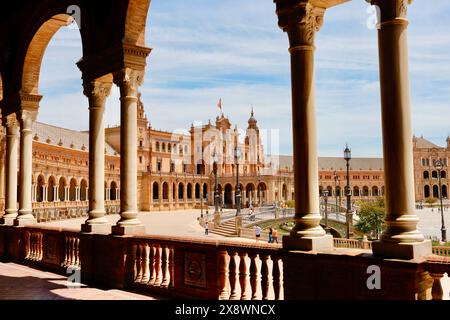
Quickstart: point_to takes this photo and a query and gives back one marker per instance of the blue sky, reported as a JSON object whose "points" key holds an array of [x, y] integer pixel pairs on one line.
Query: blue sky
{"points": [[204, 50]]}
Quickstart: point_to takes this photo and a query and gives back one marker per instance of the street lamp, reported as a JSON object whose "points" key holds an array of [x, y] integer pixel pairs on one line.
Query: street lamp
{"points": [[336, 177], [347, 157], [325, 198], [237, 156], [439, 166], [216, 190]]}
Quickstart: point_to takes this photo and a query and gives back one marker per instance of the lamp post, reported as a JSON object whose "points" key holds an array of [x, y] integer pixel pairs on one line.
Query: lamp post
{"points": [[237, 156], [325, 198], [216, 190], [439, 166], [347, 157], [335, 188]]}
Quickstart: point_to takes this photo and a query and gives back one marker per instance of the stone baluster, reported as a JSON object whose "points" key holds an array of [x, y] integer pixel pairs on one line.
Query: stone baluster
{"points": [[244, 276], [172, 267], [158, 265], [437, 292], [165, 266], [235, 289], [224, 281], [266, 277], [278, 278], [255, 276], [145, 264], [77, 252], [138, 262], [152, 265]]}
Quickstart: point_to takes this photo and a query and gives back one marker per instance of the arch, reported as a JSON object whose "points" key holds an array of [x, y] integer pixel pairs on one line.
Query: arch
{"points": [[62, 189], [205, 191], [426, 175], [284, 192], [365, 191], [228, 196], [249, 193], [163, 147], [356, 191], [135, 22], [51, 197], [444, 191], [113, 191], [330, 191], [189, 191], [180, 190], [157, 146], [426, 191], [72, 189], [165, 191], [84, 190], [197, 191], [174, 191], [338, 191], [434, 174], [36, 49], [155, 191], [375, 191], [443, 174], [169, 147], [435, 191], [40, 188]]}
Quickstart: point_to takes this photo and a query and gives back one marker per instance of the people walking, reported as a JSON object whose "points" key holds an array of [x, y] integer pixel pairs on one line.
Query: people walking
{"points": [[270, 235], [274, 235], [206, 228], [257, 233]]}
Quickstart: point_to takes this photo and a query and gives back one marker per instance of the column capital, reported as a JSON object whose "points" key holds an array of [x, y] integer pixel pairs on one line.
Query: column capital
{"points": [[301, 20], [97, 90], [10, 121], [391, 10], [129, 80], [26, 118]]}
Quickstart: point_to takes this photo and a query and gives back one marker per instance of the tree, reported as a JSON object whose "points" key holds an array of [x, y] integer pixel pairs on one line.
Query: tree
{"points": [[371, 217]]}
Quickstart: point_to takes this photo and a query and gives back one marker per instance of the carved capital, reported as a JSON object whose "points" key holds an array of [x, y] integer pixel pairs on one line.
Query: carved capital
{"points": [[98, 90], [129, 81], [301, 20], [11, 124], [392, 9], [26, 118]]}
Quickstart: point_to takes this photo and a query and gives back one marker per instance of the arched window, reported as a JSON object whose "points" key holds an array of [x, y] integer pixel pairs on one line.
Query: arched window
{"points": [[444, 191], [163, 147], [155, 192], [426, 191], [205, 191], [180, 191], [189, 191], [113, 191], [169, 147], [73, 190], [83, 191], [443, 174], [62, 189], [426, 175], [365, 191], [165, 191], [51, 189], [355, 191], [157, 146], [434, 174], [375, 191], [435, 191], [197, 191], [40, 189]]}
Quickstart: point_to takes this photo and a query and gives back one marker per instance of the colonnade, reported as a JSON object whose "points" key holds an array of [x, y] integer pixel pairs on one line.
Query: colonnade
{"points": [[301, 19]]}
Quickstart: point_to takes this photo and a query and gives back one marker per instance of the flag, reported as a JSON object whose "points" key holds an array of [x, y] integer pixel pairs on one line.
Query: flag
{"points": [[220, 104]]}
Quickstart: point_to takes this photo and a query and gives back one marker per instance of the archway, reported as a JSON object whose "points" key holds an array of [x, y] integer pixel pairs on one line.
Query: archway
{"points": [[40, 189], [284, 192], [84, 190], [180, 191], [262, 196], [205, 191], [73, 189], [189, 191], [228, 201], [250, 194], [165, 191], [435, 191], [444, 191], [51, 197], [330, 191], [62, 189], [155, 191], [197, 191], [375, 191], [113, 191], [426, 191], [365, 191], [356, 191]]}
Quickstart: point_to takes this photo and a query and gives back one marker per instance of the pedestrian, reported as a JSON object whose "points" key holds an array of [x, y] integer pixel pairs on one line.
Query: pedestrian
{"points": [[206, 228], [270, 235], [257, 233], [275, 235]]}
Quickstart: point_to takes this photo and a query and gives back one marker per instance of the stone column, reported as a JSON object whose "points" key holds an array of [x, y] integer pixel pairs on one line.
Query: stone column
{"points": [[12, 134], [97, 92], [55, 194], [401, 239], [128, 81], [301, 20], [66, 194]]}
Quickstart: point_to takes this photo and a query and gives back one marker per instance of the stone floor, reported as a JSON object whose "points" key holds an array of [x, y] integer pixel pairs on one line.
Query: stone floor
{"points": [[19, 282]]}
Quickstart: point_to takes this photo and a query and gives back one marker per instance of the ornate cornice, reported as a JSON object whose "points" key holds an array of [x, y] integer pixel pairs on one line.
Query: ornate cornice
{"points": [[391, 10], [301, 20]]}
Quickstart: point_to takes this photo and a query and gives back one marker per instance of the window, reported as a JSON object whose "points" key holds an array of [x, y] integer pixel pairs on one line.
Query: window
{"points": [[141, 143], [157, 146], [158, 166], [184, 168], [172, 167], [140, 159]]}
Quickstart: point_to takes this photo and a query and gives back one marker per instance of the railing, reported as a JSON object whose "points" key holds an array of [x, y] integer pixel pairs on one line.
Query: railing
{"points": [[352, 243], [71, 251], [34, 248], [441, 251]]}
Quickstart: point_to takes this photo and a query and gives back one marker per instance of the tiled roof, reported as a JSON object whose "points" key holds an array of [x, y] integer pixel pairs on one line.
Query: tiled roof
{"points": [[65, 138], [332, 163], [422, 143]]}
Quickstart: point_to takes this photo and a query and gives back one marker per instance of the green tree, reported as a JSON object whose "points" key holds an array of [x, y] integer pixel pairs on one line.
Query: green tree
{"points": [[371, 217]]}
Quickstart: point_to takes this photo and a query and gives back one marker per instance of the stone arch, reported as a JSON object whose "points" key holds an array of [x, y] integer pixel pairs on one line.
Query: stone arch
{"points": [[356, 191], [330, 191], [61, 189], [249, 190], [40, 188], [228, 196], [72, 189], [197, 191], [113, 191], [262, 192], [84, 190], [434, 174], [189, 190], [444, 191], [36, 49], [51, 197], [205, 191], [426, 174], [165, 191], [435, 191], [426, 191], [180, 190], [155, 191], [135, 22], [163, 147], [365, 191], [375, 191], [443, 174]]}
